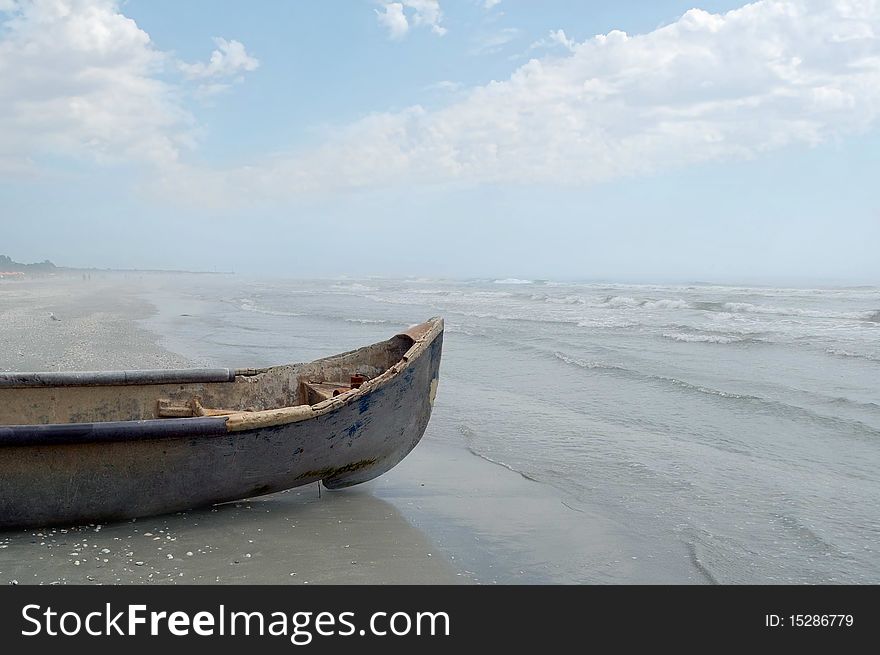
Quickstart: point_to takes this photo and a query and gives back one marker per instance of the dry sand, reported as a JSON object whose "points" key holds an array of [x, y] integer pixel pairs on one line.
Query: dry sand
{"points": [[441, 516]]}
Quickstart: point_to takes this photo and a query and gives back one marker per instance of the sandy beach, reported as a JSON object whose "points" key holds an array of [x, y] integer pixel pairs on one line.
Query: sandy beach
{"points": [[442, 516]]}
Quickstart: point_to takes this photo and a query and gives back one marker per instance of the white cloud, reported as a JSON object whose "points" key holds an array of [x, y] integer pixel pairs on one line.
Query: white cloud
{"points": [[426, 13], [80, 79], [77, 76], [393, 19], [555, 38], [444, 85], [488, 44], [707, 87], [230, 59], [396, 17], [558, 36], [489, 4]]}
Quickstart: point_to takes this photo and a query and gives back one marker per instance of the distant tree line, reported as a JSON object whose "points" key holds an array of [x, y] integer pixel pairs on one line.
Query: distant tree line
{"points": [[7, 264]]}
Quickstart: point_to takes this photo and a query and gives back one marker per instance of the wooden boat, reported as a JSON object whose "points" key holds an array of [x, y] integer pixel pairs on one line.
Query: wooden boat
{"points": [[101, 446]]}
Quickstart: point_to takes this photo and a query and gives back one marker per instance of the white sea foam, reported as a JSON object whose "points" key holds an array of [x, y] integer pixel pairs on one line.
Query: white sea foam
{"points": [[701, 389], [750, 308], [491, 294], [840, 352], [606, 323], [451, 328], [633, 303], [574, 361], [666, 303], [513, 280], [701, 338], [248, 306], [620, 301], [354, 286], [558, 300]]}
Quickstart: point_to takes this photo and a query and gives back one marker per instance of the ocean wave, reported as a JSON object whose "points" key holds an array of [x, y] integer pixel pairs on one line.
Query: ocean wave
{"points": [[606, 323], [433, 292], [451, 328], [849, 402], [675, 382], [527, 318], [557, 300], [354, 287], [574, 361], [250, 307], [840, 352], [666, 304], [513, 280], [491, 294], [620, 301], [750, 308], [682, 384], [856, 428], [708, 338], [398, 300], [779, 407], [632, 303]]}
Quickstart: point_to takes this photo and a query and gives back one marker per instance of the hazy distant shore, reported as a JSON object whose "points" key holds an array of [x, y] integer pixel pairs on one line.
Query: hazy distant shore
{"points": [[441, 516]]}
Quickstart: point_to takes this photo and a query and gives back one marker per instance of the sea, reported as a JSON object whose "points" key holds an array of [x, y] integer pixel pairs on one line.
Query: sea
{"points": [[739, 424]]}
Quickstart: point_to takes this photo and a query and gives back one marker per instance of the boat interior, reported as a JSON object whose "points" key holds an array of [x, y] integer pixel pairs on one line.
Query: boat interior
{"points": [[84, 400]]}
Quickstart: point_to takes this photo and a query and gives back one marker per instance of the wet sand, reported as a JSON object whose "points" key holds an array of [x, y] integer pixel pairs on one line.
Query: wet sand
{"points": [[443, 516]]}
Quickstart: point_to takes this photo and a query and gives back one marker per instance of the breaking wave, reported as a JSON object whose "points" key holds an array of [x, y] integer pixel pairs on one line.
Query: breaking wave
{"points": [[620, 301], [355, 287], [513, 280], [840, 352], [750, 308], [248, 306], [591, 365], [606, 323], [452, 328], [628, 302], [708, 390], [557, 300], [687, 337]]}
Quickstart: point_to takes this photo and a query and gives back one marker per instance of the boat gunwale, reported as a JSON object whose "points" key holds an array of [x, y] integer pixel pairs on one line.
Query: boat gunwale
{"points": [[137, 377], [65, 434], [48, 434]]}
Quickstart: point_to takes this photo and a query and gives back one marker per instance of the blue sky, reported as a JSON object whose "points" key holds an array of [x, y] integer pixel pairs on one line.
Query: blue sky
{"points": [[430, 137]]}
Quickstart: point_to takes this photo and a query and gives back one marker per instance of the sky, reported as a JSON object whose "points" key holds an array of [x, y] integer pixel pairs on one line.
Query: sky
{"points": [[629, 140]]}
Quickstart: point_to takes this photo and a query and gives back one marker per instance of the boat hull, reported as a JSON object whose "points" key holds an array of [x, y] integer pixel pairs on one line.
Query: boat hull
{"points": [[101, 472]]}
